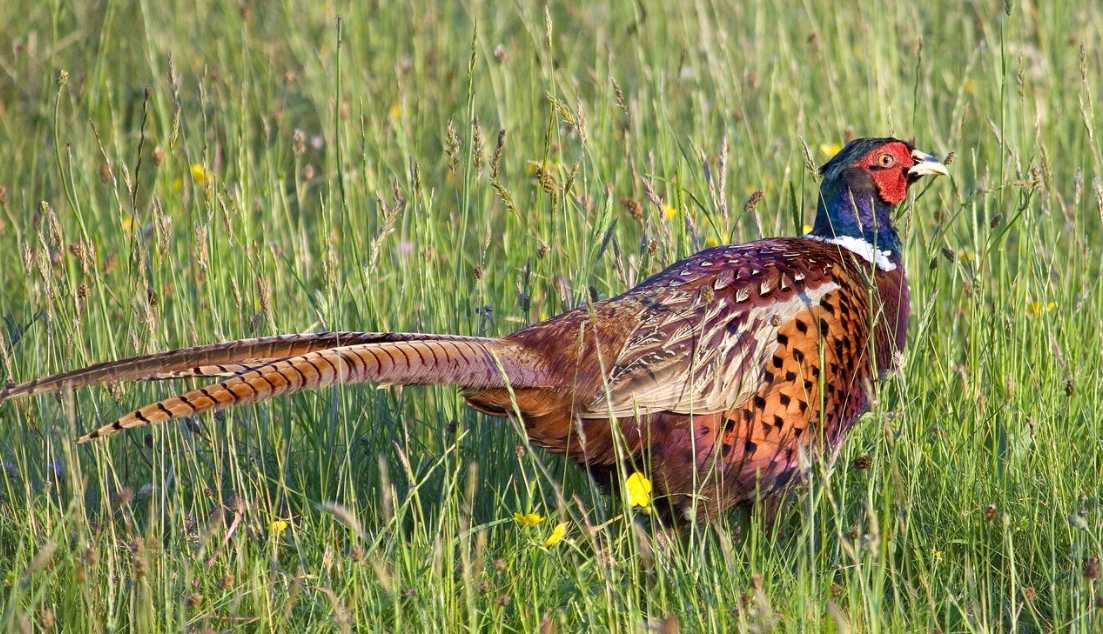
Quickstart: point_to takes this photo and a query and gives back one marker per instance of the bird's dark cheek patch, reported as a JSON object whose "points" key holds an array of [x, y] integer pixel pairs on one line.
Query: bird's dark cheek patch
{"points": [[860, 180]]}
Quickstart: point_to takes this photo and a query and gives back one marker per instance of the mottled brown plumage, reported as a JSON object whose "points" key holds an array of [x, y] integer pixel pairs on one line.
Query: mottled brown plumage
{"points": [[778, 329], [721, 377]]}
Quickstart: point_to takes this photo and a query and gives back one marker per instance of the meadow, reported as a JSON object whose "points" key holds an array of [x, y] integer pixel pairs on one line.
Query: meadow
{"points": [[180, 173]]}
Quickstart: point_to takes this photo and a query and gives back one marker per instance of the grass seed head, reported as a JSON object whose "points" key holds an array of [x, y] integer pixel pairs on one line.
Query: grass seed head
{"points": [[633, 207]]}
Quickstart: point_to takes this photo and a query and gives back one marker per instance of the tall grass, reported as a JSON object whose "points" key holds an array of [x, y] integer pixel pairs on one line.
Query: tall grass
{"points": [[184, 172]]}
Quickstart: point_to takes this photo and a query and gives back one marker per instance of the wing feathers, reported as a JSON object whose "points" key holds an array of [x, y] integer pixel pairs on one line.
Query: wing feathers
{"points": [[693, 347]]}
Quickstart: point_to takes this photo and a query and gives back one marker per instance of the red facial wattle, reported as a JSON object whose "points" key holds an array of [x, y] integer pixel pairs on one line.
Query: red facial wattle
{"points": [[891, 179]]}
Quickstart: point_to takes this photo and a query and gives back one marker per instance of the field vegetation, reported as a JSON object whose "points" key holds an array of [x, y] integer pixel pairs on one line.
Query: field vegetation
{"points": [[186, 172]]}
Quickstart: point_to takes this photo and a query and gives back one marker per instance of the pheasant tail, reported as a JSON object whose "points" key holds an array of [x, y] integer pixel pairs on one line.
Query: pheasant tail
{"points": [[220, 359], [468, 361]]}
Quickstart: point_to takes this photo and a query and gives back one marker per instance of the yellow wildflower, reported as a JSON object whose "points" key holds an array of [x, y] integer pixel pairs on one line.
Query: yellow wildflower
{"points": [[277, 527], [1037, 309], [807, 228], [395, 111], [528, 519], [669, 212], [711, 242], [969, 86], [637, 489], [830, 149], [198, 174], [556, 535], [128, 224]]}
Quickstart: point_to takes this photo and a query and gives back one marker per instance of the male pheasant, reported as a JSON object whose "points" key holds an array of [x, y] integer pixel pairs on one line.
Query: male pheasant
{"points": [[719, 376]]}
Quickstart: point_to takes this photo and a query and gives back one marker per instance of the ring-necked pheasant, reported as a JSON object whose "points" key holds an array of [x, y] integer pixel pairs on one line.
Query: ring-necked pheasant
{"points": [[717, 373]]}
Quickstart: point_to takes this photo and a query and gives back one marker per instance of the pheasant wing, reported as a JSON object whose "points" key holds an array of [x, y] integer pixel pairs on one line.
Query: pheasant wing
{"points": [[705, 327]]}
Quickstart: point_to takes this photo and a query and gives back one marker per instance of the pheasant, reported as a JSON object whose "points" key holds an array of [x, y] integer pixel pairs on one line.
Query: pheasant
{"points": [[719, 377]]}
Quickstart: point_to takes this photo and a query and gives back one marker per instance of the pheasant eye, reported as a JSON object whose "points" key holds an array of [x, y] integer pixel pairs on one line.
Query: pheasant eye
{"points": [[886, 160]]}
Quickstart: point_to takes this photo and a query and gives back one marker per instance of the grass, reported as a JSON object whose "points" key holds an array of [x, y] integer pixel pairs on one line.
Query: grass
{"points": [[185, 172]]}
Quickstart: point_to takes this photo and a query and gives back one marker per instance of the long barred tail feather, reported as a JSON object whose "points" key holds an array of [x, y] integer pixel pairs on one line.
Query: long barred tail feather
{"points": [[221, 370], [468, 361], [220, 359]]}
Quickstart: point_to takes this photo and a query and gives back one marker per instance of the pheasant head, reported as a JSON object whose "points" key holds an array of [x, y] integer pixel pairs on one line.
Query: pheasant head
{"points": [[861, 185]]}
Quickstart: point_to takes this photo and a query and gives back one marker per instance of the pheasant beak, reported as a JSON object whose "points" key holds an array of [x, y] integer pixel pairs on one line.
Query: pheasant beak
{"points": [[926, 165]]}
